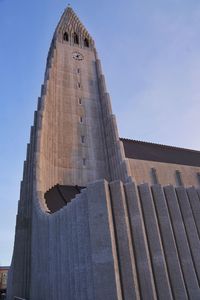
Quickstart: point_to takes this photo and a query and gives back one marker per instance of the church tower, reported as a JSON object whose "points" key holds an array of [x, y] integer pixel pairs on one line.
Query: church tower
{"points": [[100, 218], [74, 142], [77, 133]]}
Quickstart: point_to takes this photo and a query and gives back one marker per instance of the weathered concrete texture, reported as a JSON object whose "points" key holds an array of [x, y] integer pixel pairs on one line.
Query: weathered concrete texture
{"points": [[155, 244], [190, 227], [169, 244], [115, 240], [195, 205], [74, 250], [74, 141], [141, 170], [143, 264], [112, 242], [103, 244], [124, 242], [181, 238]]}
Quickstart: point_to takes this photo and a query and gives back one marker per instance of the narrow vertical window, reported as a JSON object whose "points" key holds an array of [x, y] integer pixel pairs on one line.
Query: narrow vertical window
{"points": [[84, 161], [79, 100], [198, 178], [86, 42], [179, 180], [78, 71], [81, 119], [154, 176], [76, 39], [82, 139], [79, 85], [65, 37]]}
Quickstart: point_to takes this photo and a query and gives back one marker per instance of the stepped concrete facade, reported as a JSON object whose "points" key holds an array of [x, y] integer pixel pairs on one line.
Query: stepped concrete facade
{"points": [[100, 217]]}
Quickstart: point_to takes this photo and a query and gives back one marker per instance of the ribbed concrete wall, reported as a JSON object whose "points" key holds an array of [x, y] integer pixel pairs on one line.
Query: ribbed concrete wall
{"points": [[117, 241], [73, 251], [55, 153], [114, 240]]}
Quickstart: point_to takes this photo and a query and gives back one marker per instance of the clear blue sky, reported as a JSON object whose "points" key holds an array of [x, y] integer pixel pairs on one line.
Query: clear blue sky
{"points": [[150, 51]]}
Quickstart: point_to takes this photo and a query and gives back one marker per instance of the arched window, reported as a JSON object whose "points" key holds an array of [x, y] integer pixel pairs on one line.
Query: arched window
{"points": [[65, 37], [76, 41], [86, 42]]}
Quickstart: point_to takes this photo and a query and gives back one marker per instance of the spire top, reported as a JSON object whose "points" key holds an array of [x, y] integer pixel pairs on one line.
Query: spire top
{"points": [[69, 25]]}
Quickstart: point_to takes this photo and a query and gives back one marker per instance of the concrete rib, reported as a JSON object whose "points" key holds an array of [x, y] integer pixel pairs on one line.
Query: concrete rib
{"points": [[155, 244], [169, 245], [145, 275], [124, 242], [195, 205], [185, 259], [81, 248], [190, 227], [103, 247]]}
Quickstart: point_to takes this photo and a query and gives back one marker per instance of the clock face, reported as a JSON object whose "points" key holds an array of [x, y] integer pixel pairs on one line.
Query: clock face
{"points": [[77, 56]]}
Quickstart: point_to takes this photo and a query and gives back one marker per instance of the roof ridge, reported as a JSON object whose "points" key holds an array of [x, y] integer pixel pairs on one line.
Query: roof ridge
{"points": [[161, 145]]}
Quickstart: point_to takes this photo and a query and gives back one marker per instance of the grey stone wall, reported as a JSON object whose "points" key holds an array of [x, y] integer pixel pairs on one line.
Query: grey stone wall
{"points": [[55, 153], [116, 241]]}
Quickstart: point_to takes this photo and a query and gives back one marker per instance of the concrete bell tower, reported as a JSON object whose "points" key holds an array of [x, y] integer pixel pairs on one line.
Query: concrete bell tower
{"points": [[76, 139], [112, 238], [74, 142]]}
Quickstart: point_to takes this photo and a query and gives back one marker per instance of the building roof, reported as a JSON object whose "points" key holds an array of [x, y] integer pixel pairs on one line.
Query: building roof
{"points": [[160, 153]]}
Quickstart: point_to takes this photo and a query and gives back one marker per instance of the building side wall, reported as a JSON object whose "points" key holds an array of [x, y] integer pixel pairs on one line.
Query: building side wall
{"points": [[141, 171], [117, 241], [74, 250], [55, 153]]}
